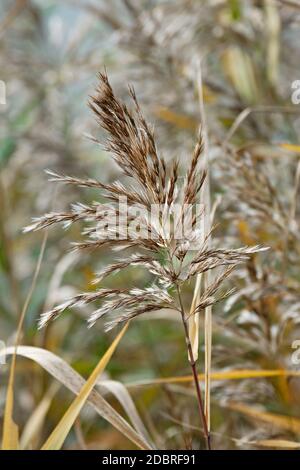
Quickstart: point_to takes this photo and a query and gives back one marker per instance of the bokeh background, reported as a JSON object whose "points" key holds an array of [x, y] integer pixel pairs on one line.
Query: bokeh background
{"points": [[51, 52]]}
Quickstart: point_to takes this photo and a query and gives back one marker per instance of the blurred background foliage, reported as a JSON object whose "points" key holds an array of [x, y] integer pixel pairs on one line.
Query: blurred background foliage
{"points": [[51, 52]]}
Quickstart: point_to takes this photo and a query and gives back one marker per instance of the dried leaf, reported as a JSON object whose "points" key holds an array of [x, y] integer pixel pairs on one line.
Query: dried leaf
{"points": [[34, 424], [121, 393], [10, 440], [288, 423], [58, 436], [239, 68], [277, 444], [66, 375]]}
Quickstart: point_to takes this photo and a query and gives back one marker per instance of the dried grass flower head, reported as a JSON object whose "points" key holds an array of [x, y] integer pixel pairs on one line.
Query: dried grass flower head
{"points": [[149, 214]]}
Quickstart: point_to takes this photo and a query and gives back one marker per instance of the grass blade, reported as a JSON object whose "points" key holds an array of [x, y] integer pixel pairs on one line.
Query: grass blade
{"points": [[67, 376], [58, 436], [226, 375], [277, 444], [207, 275], [123, 396], [288, 423], [10, 438], [35, 422]]}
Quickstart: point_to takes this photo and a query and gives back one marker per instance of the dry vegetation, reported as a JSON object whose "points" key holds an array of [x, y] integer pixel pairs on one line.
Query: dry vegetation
{"points": [[228, 310]]}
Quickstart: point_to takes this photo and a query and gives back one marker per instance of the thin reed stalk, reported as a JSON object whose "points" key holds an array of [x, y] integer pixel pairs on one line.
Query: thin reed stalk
{"points": [[192, 362], [206, 230]]}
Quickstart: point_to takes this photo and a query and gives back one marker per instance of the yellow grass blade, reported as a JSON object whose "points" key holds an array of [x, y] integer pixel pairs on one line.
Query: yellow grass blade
{"points": [[277, 444], [208, 352], [273, 26], [226, 375], [239, 68], [10, 440], [194, 319], [179, 120], [284, 422], [291, 147], [34, 424], [58, 436]]}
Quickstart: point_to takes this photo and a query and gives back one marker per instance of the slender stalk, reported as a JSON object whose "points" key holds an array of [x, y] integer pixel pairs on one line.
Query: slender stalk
{"points": [[194, 371], [206, 199], [7, 439], [8, 246]]}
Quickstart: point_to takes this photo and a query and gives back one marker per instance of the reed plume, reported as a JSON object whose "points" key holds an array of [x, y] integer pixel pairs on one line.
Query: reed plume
{"points": [[172, 260]]}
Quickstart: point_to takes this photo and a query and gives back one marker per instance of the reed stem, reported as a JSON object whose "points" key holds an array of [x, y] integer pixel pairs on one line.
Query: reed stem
{"points": [[195, 375]]}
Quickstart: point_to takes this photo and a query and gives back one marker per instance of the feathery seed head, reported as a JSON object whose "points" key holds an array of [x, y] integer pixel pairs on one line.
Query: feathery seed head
{"points": [[155, 214]]}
